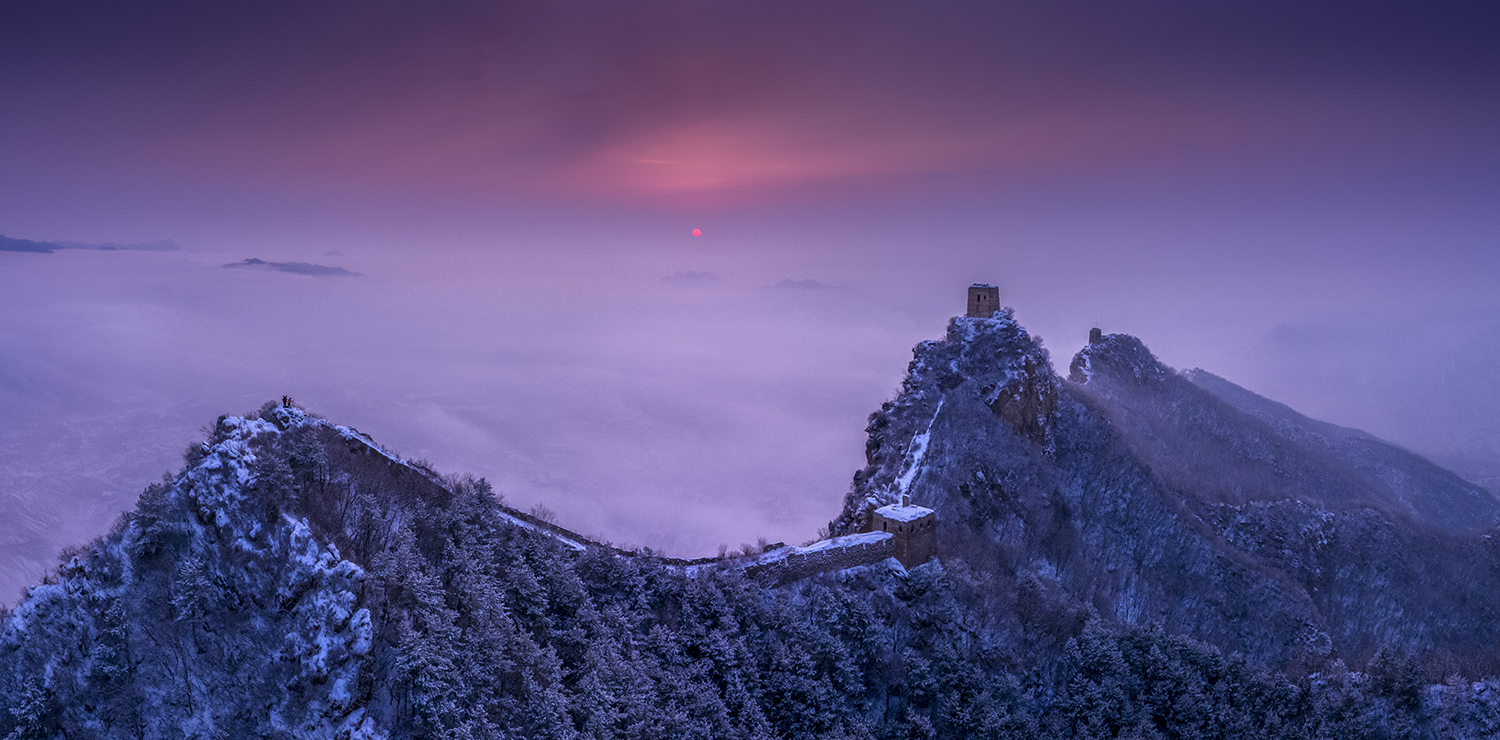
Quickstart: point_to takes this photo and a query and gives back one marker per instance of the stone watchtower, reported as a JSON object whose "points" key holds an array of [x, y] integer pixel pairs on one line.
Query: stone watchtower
{"points": [[913, 529], [984, 300]]}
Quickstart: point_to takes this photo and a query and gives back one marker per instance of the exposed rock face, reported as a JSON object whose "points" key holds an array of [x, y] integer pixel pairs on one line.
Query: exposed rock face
{"points": [[1027, 401], [985, 368], [1146, 496]]}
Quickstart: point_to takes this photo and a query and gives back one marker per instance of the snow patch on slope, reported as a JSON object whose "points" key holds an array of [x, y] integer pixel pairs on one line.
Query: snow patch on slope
{"points": [[918, 454]]}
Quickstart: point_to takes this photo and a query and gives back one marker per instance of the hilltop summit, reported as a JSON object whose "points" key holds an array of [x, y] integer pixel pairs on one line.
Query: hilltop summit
{"points": [[1147, 496]]}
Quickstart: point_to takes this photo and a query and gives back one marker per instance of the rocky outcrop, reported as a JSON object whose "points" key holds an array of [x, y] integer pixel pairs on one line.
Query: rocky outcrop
{"points": [[984, 365], [1119, 357], [1134, 492], [1027, 401]]}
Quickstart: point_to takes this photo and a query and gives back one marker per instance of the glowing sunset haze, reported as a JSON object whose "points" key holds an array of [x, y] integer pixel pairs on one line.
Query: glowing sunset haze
{"points": [[651, 265]]}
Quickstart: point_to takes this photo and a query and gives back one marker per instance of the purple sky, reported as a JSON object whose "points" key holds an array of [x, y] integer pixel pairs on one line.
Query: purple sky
{"points": [[1303, 199]]}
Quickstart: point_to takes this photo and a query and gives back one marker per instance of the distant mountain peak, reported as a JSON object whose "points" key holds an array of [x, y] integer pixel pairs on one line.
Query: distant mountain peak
{"points": [[297, 268], [7, 244], [26, 245]]}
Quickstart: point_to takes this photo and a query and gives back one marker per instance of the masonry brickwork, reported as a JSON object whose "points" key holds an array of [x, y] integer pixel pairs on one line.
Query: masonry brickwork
{"points": [[914, 529], [797, 563], [984, 300]]}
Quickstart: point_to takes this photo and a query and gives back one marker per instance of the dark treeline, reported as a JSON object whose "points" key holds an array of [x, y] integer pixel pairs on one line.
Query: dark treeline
{"points": [[293, 583]]}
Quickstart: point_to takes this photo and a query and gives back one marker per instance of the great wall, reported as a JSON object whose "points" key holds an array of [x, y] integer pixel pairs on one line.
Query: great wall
{"points": [[901, 531]]}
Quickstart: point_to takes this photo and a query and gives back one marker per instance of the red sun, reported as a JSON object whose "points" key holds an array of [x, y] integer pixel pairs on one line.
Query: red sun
{"points": [[697, 232]]}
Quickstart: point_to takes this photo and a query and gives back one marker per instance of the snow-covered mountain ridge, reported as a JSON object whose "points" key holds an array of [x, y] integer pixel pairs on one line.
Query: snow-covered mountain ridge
{"points": [[1150, 496], [1132, 552], [251, 590], [298, 580]]}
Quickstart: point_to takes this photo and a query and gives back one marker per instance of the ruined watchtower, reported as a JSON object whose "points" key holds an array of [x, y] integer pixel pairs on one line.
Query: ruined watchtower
{"points": [[914, 529], [983, 300]]}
